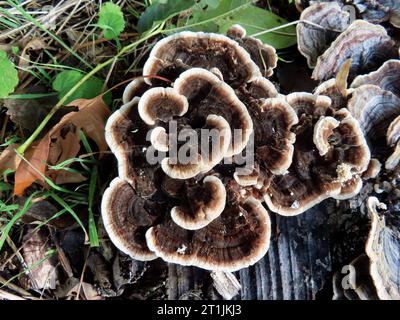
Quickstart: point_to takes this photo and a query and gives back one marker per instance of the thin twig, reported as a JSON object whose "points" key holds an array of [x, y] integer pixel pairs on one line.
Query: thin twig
{"points": [[9, 296], [82, 275], [17, 289], [283, 26]]}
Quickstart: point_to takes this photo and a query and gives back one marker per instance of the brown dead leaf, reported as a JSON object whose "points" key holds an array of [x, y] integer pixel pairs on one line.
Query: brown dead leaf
{"points": [[42, 275], [43, 211], [32, 170], [70, 288], [33, 45], [64, 146], [91, 118], [29, 113], [9, 159], [100, 269], [62, 143]]}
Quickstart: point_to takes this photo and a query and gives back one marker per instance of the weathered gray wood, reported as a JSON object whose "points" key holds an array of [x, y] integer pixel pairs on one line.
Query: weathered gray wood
{"points": [[185, 282], [298, 260], [226, 284], [297, 265]]}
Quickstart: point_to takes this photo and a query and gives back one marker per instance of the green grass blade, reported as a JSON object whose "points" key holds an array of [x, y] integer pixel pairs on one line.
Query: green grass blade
{"points": [[48, 255], [93, 236], [67, 207], [29, 96], [6, 230]]}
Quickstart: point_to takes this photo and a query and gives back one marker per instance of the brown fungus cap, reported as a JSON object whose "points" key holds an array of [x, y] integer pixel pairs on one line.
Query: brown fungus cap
{"points": [[208, 95], [273, 119], [323, 129], [393, 160], [205, 203], [116, 133], [378, 112], [159, 139], [248, 178], [135, 88], [359, 284], [221, 142], [328, 21], [253, 93], [367, 44], [262, 54], [179, 170], [161, 104], [205, 158], [182, 51], [126, 136], [383, 249], [238, 238], [198, 100], [393, 141], [380, 10], [273, 138], [336, 88], [393, 132], [375, 109], [127, 217], [387, 77], [313, 177], [373, 170]]}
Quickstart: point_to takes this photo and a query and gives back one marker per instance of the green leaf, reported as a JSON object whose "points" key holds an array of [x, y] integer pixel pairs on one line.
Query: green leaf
{"points": [[15, 50], [250, 17], [8, 75], [212, 4], [256, 20], [91, 88], [111, 20], [160, 11], [207, 20]]}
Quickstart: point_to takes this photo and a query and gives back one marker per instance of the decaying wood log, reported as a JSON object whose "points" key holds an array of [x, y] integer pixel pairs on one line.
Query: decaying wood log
{"points": [[296, 266], [226, 284], [185, 282], [298, 260]]}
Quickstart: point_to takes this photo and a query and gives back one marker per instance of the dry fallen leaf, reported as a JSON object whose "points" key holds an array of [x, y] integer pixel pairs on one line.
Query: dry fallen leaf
{"points": [[62, 143], [43, 274], [91, 119], [32, 170], [63, 147], [9, 159], [70, 288], [43, 211], [33, 45], [29, 113]]}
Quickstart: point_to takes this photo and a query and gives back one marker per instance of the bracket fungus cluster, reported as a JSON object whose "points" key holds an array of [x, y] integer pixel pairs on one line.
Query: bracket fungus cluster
{"points": [[375, 274], [383, 249], [183, 204], [375, 11], [363, 53], [208, 148]]}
